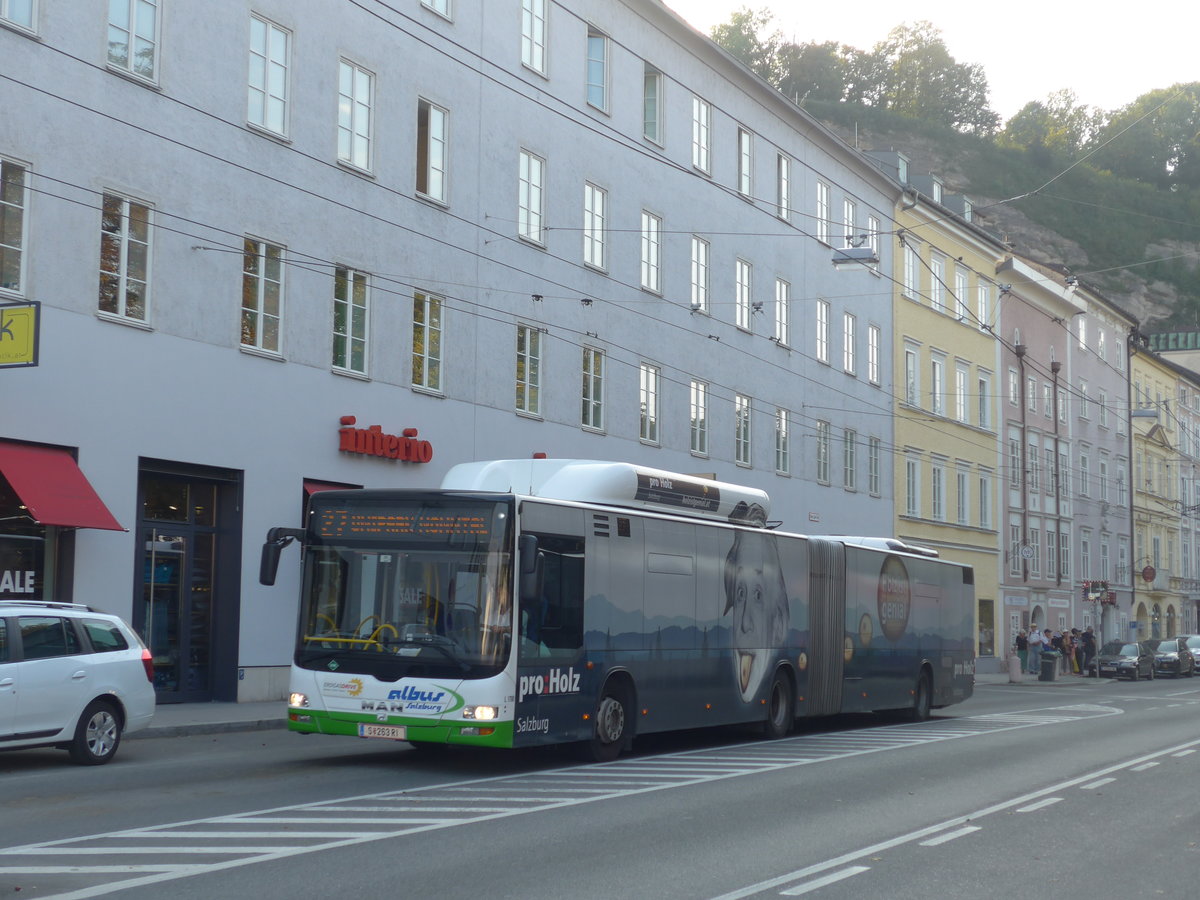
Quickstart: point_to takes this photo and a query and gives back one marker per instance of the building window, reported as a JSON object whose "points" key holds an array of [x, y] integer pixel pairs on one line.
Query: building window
{"points": [[961, 297], [911, 286], [648, 396], [1034, 463], [937, 283], [125, 258], [822, 331], [14, 201], [985, 501], [1085, 409], [983, 307], [595, 202], [873, 234], [267, 105], [742, 423], [823, 452], [431, 151], [427, 341], [849, 214], [1102, 402], [873, 450], [912, 385], [1062, 406], [18, 12], [783, 453], [1050, 473], [962, 480], [350, 320], [1102, 477], [783, 194], [1085, 468], [699, 417], [262, 294], [1014, 387], [1014, 463], [651, 249], [850, 459], [849, 340], [742, 300], [1051, 554], [529, 370], [783, 328], [1035, 544], [912, 487], [1014, 549], [533, 35], [873, 339], [1105, 575], [593, 388], [937, 491], [745, 156], [822, 213], [984, 402], [355, 102], [701, 127], [1064, 554], [960, 393], [132, 34], [700, 250], [1031, 394], [652, 94], [597, 69], [1085, 553], [937, 387], [529, 199], [442, 7]]}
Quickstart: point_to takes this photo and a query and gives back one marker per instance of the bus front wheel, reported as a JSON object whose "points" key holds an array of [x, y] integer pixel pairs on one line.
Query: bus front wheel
{"points": [[611, 726], [780, 705]]}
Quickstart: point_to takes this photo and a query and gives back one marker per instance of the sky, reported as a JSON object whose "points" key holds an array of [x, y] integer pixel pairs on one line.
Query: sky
{"points": [[1108, 56]]}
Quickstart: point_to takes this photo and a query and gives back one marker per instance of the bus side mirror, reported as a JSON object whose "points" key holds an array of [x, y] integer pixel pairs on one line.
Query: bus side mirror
{"points": [[277, 539], [530, 562]]}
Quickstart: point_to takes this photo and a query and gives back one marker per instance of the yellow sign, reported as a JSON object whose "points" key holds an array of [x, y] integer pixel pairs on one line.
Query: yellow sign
{"points": [[19, 327]]}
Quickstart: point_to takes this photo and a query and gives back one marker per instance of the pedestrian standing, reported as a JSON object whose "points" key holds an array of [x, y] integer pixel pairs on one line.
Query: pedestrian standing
{"points": [[1035, 649], [1089, 649], [1023, 649]]}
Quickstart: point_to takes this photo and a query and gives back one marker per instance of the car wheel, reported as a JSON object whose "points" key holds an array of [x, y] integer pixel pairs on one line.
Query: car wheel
{"points": [[97, 735]]}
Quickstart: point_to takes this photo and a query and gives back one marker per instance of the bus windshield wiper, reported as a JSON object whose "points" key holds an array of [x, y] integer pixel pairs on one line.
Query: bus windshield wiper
{"points": [[434, 642]]}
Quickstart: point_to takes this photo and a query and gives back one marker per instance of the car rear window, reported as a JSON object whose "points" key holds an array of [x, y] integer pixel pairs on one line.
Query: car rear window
{"points": [[105, 636]]}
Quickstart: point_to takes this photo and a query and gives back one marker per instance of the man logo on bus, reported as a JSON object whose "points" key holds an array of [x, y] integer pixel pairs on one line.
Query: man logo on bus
{"points": [[895, 598], [756, 596]]}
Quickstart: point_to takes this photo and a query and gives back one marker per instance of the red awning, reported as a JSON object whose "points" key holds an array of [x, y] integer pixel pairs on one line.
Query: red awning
{"points": [[312, 487], [53, 488]]}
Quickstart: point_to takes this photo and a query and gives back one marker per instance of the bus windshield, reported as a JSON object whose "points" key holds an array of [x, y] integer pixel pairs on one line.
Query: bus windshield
{"points": [[418, 588]]}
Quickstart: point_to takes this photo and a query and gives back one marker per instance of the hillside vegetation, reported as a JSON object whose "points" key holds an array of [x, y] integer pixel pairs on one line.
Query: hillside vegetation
{"points": [[1112, 196]]}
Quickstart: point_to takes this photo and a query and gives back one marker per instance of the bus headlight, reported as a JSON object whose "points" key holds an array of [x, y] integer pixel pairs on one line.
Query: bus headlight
{"points": [[480, 712], [298, 699]]}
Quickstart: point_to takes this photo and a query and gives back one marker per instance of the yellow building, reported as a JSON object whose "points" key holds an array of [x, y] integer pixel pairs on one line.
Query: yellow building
{"points": [[947, 464], [1158, 598]]}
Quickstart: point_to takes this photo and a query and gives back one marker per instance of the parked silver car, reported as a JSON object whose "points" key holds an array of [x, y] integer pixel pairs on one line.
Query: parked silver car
{"points": [[71, 677]]}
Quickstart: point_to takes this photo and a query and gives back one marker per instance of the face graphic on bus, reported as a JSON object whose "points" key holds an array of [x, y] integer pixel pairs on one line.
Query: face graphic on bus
{"points": [[756, 599]]}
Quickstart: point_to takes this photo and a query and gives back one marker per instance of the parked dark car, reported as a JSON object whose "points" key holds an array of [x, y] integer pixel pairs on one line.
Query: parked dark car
{"points": [[1126, 659], [1193, 642], [1173, 657]]}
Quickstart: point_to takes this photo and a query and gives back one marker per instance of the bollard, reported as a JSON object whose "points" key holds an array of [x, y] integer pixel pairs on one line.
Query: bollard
{"points": [[1014, 669]]}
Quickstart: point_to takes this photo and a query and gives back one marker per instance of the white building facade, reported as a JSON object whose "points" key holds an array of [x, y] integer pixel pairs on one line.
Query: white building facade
{"points": [[279, 245]]}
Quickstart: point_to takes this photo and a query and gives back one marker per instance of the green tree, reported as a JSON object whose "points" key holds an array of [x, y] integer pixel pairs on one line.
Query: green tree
{"points": [[1156, 138], [812, 71], [1059, 123], [745, 36]]}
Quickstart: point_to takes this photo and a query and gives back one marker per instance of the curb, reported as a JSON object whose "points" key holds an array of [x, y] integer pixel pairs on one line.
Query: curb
{"points": [[160, 731]]}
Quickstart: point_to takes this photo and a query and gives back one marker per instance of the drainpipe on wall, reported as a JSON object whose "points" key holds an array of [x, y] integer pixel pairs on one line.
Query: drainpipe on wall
{"points": [[1055, 366], [1022, 453]]}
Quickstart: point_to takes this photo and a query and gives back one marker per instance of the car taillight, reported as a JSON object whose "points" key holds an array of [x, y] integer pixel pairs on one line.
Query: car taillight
{"points": [[148, 664]]}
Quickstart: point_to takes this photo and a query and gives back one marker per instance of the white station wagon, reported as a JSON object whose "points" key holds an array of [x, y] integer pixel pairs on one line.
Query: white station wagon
{"points": [[71, 677]]}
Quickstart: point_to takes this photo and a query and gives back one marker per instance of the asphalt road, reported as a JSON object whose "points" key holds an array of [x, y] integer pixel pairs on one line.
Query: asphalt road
{"points": [[1089, 785]]}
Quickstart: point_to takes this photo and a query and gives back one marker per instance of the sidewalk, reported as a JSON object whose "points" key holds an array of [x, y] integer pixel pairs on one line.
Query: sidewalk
{"points": [[1028, 680], [177, 719]]}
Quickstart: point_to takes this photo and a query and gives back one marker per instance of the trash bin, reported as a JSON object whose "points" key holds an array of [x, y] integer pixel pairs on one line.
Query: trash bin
{"points": [[1050, 659]]}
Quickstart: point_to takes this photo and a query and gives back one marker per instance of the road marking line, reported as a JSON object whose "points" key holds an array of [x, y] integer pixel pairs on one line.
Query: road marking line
{"points": [[1184, 752], [1143, 767], [1041, 804], [950, 836], [1096, 784], [823, 882]]}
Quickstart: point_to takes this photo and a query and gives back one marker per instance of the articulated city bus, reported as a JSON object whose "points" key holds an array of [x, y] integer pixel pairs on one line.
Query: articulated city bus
{"points": [[541, 601]]}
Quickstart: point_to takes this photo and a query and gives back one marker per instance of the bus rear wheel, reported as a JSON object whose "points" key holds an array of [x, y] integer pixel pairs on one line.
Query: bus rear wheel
{"points": [[611, 725], [922, 699], [780, 707]]}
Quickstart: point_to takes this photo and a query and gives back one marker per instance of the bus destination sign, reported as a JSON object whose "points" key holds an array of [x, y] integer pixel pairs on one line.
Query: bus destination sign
{"points": [[678, 492], [420, 523]]}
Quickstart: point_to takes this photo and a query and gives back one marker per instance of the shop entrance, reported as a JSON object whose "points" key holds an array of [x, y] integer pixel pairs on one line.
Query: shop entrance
{"points": [[181, 571]]}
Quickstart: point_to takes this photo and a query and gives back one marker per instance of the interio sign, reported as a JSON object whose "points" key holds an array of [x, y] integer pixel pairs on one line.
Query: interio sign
{"points": [[372, 441]]}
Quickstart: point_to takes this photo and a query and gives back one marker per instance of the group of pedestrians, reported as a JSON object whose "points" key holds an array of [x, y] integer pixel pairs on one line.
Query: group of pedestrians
{"points": [[1076, 649]]}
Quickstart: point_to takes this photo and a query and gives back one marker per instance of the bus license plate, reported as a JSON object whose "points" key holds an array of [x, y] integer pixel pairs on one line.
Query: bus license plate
{"points": [[391, 732]]}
